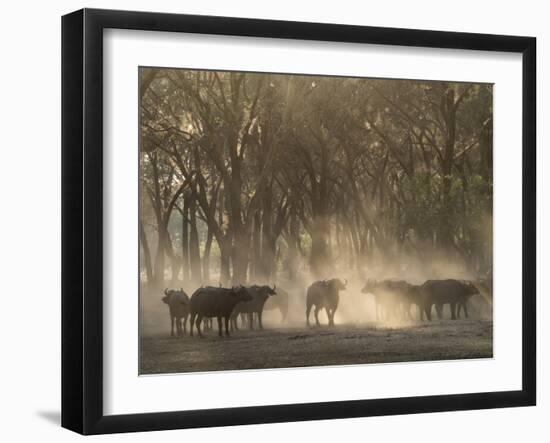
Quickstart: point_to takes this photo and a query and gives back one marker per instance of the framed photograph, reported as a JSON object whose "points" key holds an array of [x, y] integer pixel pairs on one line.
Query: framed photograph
{"points": [[270, 221]]}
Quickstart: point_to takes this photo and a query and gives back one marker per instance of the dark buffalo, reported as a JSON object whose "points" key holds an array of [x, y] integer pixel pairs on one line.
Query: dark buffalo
{"points": [[440, 292], [212, 302], [259, 294], [411, 296], [207, 321], [178, 304], [280, 302], [385, 298], [393, 298], [324, 294]]}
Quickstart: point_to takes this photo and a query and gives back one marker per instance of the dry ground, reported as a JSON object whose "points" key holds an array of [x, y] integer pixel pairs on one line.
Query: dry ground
{"points": [[291, 347]]}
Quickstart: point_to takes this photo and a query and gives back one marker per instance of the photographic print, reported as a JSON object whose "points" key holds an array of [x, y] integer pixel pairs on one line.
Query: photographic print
{"points": [[290, 220]]}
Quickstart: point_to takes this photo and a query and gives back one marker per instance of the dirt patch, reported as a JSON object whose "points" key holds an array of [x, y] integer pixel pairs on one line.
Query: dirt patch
{"points": [[298, 347]]}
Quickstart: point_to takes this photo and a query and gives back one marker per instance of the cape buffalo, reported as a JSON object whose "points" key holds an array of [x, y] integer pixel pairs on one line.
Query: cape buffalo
{"points": [[393, 298], [324, 294], [178, 304], [215, 302], [440, 292], [259, 294], [280, 302]]}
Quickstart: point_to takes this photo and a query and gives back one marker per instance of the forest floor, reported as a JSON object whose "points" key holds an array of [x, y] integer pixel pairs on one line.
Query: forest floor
{"points": [[285, 347]]}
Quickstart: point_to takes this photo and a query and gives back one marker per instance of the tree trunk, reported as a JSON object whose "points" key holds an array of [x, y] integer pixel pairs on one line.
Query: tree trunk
{"points": [[225, 260], [256, 247], [185, 239], [159, 259], [320, 254], [268, 245], [446, 234], [146, 254], [239, 258], [239, 250], [194, 248], [174, 260], [206, 257], [293, 239]]}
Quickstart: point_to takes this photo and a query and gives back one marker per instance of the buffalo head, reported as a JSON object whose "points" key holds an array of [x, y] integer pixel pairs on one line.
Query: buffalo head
{"points": [[167, 296], [241, 293], [338, 284], [471, 288], [369, 286], [170, 293]]}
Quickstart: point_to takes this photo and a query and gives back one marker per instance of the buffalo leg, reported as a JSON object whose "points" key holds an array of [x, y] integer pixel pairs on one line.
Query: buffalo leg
{"points": [[461, 306], [172, 329], [198, 322], [185, 325], [260, 325], [308, 309], [439, 311], [220, 326], [453, 311], [428, 311], [465, 308], [331, 317], [316, 314], [226, 320], [250, 321]]}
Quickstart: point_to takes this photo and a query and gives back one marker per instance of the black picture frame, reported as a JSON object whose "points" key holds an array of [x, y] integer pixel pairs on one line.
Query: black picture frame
{"points": [[82, 219]]}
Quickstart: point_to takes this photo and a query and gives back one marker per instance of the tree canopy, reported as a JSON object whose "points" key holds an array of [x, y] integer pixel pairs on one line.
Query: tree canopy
{"points": [[255, 177]]}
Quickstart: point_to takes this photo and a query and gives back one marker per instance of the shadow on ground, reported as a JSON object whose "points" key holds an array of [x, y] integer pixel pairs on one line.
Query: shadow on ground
{"points": [[53, 417]]}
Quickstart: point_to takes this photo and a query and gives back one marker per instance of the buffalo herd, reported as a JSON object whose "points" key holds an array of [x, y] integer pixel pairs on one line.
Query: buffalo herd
{"points": [[394, 300]]}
